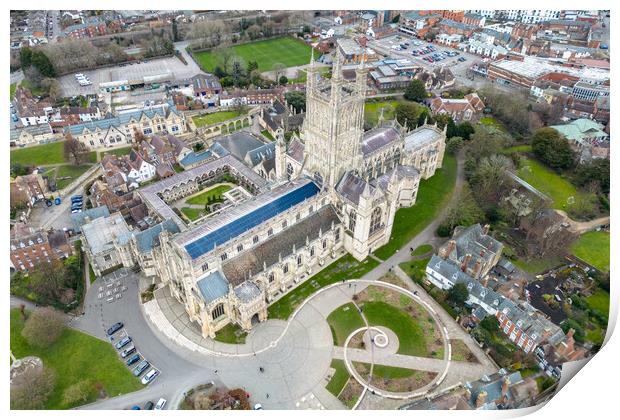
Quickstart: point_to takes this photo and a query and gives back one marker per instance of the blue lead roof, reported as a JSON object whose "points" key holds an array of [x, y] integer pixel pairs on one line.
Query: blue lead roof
{"points": [[250, 220]]}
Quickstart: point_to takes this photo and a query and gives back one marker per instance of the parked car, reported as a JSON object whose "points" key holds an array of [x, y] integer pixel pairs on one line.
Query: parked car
{"points": [[133, 359], [129, 350], [135, 407], [77, 197], [144, 365], [149, 405], [258, 406], [76, 211], [57, 201], [149, 377], [122, 343], [160, 404]]}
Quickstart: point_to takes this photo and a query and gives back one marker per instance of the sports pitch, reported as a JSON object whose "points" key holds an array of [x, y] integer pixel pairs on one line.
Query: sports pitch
{"points": [[289, 51]]}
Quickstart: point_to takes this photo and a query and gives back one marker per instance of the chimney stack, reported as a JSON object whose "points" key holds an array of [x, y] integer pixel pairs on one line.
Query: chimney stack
{"points": [[477, 267], [465, 263], [448, 249], [505, 385], [481, 399], [485, 230]]}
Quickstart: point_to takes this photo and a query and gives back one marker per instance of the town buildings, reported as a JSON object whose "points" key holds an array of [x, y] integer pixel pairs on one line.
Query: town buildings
{"points": [[587, 137], [31, 247], [466, 109]]}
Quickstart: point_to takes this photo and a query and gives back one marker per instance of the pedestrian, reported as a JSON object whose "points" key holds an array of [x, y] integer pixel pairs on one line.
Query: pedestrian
{"points": [[215, 371], [349, 285], [267, 395]]}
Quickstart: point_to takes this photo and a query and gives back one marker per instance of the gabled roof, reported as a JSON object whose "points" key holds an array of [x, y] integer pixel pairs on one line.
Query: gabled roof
{"points": [[149, 238], [296, 150], [213, 286], [377, 138]]}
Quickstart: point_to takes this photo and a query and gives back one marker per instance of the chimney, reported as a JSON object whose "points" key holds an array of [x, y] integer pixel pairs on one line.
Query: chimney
{"points": [[570, 333], [448, 249], [477, 267], [505, 385], [485, 230], [465, 262], [485, 282], [481, 399]]}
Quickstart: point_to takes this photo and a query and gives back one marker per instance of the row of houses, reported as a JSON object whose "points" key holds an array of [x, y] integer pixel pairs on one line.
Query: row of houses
{"points": [[31, 247]]}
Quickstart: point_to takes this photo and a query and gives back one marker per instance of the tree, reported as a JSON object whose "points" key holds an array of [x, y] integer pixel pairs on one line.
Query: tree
{"points": [[458, 294], [43, 63], [283, 80], [43, 327], [454, 145], [223, 57], [75, 150], [407, 113], [77, 393], [297, 99], [175, 31], [416, 91], [485, 142], [464, 129], [52, 87], [252, 65], [36, 385], [597, 172], [25, 57], [278, 70], [551, 148]]}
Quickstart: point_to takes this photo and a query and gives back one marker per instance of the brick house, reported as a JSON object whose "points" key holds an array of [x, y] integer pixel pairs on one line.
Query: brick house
{"points": [[466, 109], [30, 247]]}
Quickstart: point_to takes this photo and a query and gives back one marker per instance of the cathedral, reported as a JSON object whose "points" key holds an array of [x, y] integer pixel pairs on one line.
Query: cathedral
{"points": [[336, 191]]}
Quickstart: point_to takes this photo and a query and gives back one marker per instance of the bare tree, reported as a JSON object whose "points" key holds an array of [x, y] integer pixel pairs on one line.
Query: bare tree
{"points": [[224, 56], [43, 327], [74, 149], [77, 393], [278, 70], [36, 385]]}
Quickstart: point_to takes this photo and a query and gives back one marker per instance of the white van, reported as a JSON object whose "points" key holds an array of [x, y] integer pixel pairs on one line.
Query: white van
{"points": [[148, 378]]}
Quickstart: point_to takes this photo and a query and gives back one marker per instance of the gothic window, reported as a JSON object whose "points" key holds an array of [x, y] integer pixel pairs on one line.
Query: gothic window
{"points": [[375, 220], [270, 232], [205, 267], [255, 239], [289, 170], [324, 243], [337, 234], [319, 179], [239, 247], [298, 217], [352, 218], [311, 209], [284, 224], [285, 268], [224, 256], [299, 261], [271, 277], [312, 252], [218, 311]]}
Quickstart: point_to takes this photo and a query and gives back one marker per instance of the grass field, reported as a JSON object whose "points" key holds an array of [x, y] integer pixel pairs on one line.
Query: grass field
{"points": [[343, 321], [372, 110], [344, 268], [410, 334], [433, 195], [75, 357], [215, 117], [535, 266], [267, 134], [547, 181], [599, 301], [422, 250], [214, 193], [593, 248], [288, 51], [231, 334], [192, 214], [121, 151], [70, 171], [45, 154], [339, 379], [490, 121]]}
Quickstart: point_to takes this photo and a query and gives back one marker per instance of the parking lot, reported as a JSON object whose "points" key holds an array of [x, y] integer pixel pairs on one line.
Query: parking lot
{"points": [[135, 70]]}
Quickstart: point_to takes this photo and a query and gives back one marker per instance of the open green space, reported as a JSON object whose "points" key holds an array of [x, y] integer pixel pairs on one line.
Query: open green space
{"points": [[66, 174], [599, 301], [13, 87], [289, 51], [520, 148], [559, 189], [344, 268], [593, 248], [214, 194], [231, 334], [339, 378], [35, 91], [44, 154], [267, 134], [215, 117], [385, 372], [75, 357], [192, 213], [372, 110], [343, 321], [433, 195], [415, 269], [121, 151], [410, 334], [535, 266], [490, 121], [422, 250], [91, 274]]}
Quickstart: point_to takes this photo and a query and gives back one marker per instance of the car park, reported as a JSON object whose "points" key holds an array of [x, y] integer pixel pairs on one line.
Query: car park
{"points": [[129, 350], [122, 343], [144, 365], [115, 328], [149, 377], [149, 405], [133, 359], [160, 404]]}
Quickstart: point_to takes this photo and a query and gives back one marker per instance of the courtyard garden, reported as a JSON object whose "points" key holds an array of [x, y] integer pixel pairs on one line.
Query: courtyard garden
{"points": [[216, 117], [593, 248], [212, 195], [288, 51], [74, 358], [44, 154], [193, 214], [394, 379], [433, 195], [231, 334], [343, 321]]}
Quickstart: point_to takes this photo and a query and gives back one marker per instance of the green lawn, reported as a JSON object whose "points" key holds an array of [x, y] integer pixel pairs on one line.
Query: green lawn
{"points": [[345, 268], [490, 121], [547, 181], [339, 379], [74, 357], [415, 269], [121, 151], [71, 171], [289, 51], [267, 134], [535, 266], [215, 117], [192, 214], [13, 86], [91, 274], [372, 110], [410, 334], [386, 372], [422, 250], [215, 193], [433, 195], [45, 154], [231, 334], [521, 148], [599, 301], [343, 321], [593, 248]]}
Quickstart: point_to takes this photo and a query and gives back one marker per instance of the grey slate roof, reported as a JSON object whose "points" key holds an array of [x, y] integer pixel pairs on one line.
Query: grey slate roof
{"points": [[149, 238], [296, 150], [247, 291], [213, 286], [351, 187], [79, 219], [266, 151], [240, 143], [377, 138], [492, 385], [267, 253], [193, 158]]}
